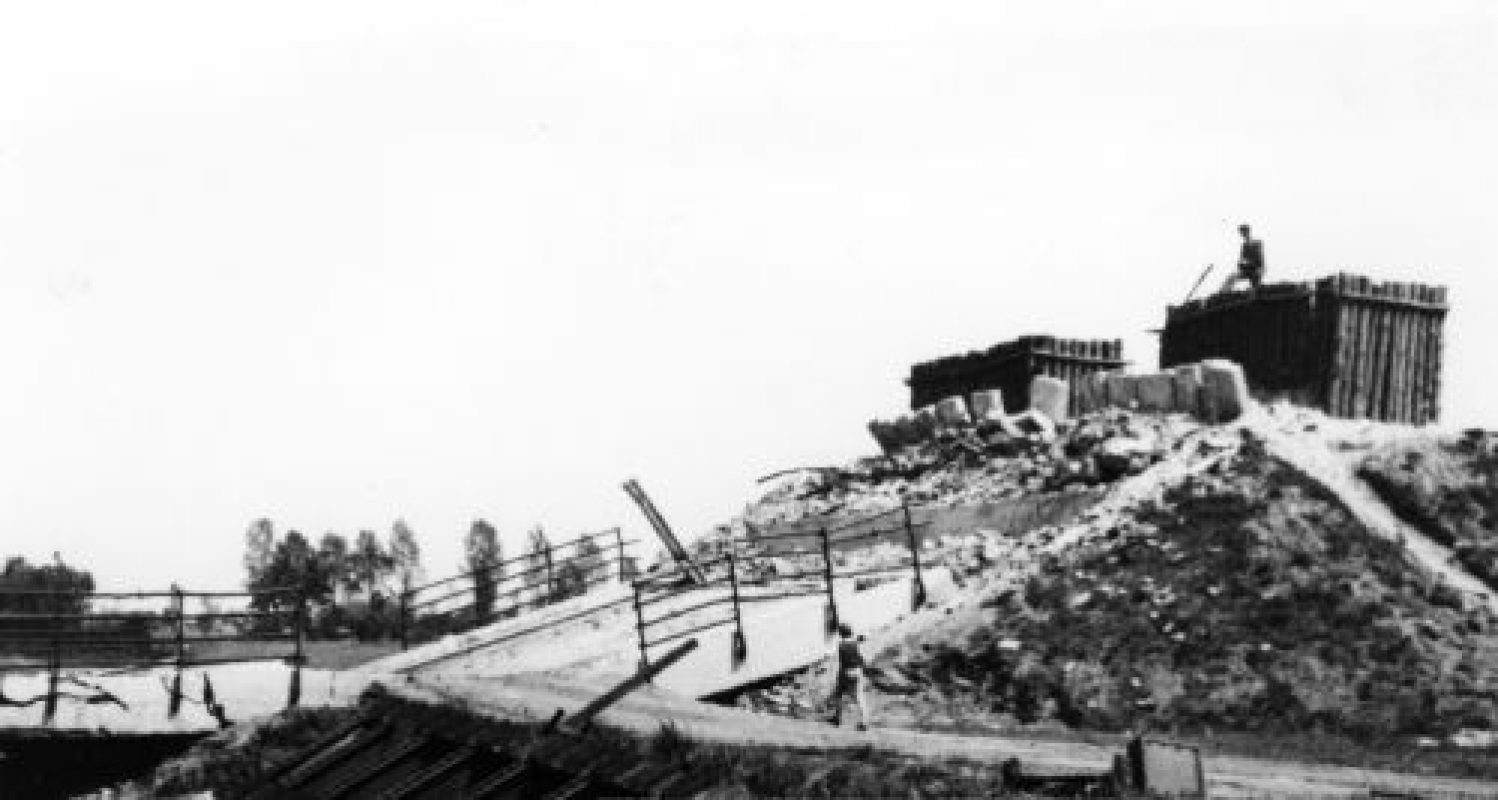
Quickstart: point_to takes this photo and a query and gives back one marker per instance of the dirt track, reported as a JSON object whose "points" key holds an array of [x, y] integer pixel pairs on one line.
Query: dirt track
{"points": [[537, 696]]}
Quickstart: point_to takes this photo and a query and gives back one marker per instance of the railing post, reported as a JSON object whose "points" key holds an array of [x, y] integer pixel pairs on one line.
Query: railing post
{"points": [[740, 648], [832, 620], [179, 606], [404, 612], [917, 589], [299, 610], [619, 541], [54, 669], [179, 603], [551, 587], [640, 627]]}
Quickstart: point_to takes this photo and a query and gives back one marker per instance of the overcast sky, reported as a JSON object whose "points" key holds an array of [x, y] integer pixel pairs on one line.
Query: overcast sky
{"points": [[339, 263]]}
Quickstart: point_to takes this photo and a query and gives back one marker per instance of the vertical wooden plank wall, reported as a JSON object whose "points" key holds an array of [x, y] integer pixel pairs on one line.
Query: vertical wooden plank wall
{"points": [[1351, 346], [1010, 366]]}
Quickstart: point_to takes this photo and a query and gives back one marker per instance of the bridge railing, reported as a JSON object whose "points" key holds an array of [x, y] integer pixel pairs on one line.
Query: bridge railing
{"points": [[735, 576], [58, 630], [507, 588]]}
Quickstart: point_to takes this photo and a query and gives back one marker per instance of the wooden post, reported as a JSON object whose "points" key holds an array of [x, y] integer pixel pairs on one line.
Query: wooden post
{"points": [[619, 542], [298, 624], [54, 670], [739, 649], [583, 719], [402, 622], [832, 620], [179, 603], [551, 587], [640, 627], [918, 589]]}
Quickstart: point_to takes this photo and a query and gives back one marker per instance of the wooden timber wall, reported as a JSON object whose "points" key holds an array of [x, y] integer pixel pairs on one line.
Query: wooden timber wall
{"points": [[1345, 344], [1010, 366]]}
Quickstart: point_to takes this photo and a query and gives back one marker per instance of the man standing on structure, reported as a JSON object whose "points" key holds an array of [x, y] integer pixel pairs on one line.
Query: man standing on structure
{"points": [[852, 679], [1250, 262]]}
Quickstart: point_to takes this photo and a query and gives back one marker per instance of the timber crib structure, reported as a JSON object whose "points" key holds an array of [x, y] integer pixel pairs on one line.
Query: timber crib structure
{"points": [[1345, 344], [1010, 366]]}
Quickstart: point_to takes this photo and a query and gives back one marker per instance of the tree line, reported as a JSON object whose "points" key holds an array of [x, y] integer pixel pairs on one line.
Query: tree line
{"points": [[353, 588], [349, 588]]}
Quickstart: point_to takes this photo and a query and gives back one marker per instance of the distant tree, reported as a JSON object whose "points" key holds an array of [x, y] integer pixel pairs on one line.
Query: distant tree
{"points": [[333, 558], [539, 572], [295, 567], [259, 547], [369, 564], [67, 590], [405, 553], [485, 565]]}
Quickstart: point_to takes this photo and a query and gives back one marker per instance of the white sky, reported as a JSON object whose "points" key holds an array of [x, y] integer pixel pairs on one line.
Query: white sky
{"points": [[335, 263]]}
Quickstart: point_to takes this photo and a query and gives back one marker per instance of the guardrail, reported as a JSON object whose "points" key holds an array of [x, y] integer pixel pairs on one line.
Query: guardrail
{"points": [[815, 572], [477, 597], [64, 629]]}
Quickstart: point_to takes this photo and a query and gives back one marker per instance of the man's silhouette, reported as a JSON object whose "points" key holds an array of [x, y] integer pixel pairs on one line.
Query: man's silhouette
{"points": [[1250, 262]]}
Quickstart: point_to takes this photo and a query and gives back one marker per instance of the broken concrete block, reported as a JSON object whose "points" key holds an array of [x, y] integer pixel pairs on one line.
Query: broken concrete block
{"points": [[1035, 423], [986, 405], [1224, 390], [1122, 391], [1050, 396], [1187, 389], [885, 435], [1155, 392], [952, 412]]}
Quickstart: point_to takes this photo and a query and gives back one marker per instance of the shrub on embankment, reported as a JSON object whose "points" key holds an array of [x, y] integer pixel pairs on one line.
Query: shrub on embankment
{"points": [[1247, 599]]}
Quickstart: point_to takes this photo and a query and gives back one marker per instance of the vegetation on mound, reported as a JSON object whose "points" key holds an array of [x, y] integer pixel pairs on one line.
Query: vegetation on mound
{"points": [[1248, 599], [1447, 490]]}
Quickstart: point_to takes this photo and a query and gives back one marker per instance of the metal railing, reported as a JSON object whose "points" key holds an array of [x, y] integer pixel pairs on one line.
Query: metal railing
{"points": [[508, 587], [816, 571], [60, 630]]}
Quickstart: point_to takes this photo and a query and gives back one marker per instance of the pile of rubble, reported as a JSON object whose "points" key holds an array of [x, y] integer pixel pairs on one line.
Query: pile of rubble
{"points": [[979, 464]]}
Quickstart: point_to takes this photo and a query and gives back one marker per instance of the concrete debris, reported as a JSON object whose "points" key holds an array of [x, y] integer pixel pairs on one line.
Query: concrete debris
{"points": [[1183, 389], [1224, 391], [1050, 396], [952, 412], [987, 406]]}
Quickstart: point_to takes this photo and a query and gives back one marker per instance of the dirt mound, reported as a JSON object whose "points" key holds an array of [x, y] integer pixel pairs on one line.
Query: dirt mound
{"points": [[1245, 598]]}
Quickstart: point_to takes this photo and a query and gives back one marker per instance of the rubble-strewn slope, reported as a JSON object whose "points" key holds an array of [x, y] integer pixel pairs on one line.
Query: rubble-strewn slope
{"points": [[1247, 598], [977, 465], [1220, 587]]}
